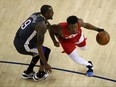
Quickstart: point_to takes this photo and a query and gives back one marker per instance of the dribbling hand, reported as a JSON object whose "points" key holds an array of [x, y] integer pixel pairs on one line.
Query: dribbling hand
{"points": [[100, 30]]}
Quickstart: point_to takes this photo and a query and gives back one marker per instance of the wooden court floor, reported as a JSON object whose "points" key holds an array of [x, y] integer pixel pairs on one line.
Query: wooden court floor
{"points": [[65, 73]]}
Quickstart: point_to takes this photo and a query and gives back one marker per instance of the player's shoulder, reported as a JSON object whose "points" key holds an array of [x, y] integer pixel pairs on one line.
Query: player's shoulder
{"points": [[80, 22], [55, 26], [63, 23], [39, 16], [36, 13], [41, 24]]}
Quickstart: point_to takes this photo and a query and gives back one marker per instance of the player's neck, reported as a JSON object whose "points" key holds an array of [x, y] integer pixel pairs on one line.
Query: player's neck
{"points": [[43, 16]]}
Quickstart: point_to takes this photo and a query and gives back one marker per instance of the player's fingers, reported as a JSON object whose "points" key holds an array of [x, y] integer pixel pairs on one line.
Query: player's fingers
{"points": [[48, 70]]}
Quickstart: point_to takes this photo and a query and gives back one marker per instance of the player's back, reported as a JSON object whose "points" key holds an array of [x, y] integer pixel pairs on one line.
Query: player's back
{"points": [[27, 32]]}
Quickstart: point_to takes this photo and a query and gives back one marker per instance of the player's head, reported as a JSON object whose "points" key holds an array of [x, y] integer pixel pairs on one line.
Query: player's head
{"points": [[47, 11], [72, 24]]}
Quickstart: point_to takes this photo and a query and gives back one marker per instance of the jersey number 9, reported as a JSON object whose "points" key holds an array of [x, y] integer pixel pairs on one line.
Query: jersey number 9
{"points": [[25, 24]]}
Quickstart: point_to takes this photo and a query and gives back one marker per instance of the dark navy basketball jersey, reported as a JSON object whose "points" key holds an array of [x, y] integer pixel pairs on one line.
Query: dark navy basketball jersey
{"points": [[27, 34]]}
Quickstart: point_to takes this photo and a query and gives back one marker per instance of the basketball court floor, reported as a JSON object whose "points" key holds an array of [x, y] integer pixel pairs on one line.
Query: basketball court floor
{"points": [[65, 73]]}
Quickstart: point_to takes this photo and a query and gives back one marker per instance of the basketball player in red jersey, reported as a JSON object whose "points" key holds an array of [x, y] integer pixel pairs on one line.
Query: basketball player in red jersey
{"points": [[71, 35]]}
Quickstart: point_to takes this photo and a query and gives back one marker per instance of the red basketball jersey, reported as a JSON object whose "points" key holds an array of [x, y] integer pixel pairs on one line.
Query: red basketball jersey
{"points": [[72, 37]]}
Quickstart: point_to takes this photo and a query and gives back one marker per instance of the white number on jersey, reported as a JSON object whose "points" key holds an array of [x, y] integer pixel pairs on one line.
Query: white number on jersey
{"points": [[26, 24]]}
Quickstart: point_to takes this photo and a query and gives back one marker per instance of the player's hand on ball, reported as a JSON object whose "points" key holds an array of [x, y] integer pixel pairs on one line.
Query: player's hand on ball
{"points": [[103, 38], [100, 30]]}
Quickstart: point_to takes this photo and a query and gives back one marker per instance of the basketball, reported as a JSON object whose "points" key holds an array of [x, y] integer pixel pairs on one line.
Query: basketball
{"points": [[103, 38]]}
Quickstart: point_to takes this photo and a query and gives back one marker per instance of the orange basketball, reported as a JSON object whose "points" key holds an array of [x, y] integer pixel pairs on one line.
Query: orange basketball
{"points": [[103, 38]]}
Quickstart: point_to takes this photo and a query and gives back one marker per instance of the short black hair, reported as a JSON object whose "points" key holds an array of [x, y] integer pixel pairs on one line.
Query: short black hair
{"points": [[45, 8], [72, 20]]}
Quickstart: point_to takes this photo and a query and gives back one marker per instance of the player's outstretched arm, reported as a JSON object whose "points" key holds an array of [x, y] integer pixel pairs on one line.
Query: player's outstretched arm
{"points": [[89, 26]]}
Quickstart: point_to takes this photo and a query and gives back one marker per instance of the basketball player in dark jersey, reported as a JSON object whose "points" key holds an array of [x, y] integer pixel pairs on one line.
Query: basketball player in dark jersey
{"points": [[29, 40], [71, 35]]}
